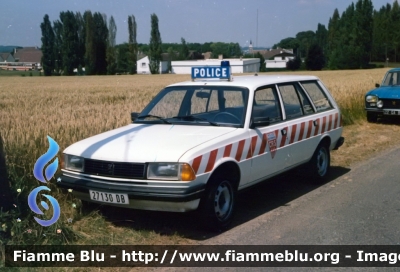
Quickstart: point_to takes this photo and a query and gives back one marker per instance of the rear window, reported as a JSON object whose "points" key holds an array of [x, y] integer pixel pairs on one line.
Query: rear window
{"points": [[317, 95]]}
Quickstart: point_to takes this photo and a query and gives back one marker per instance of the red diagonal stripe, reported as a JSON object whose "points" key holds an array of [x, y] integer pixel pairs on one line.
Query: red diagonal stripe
{"points": [[330, 122], [293, 135], [302, 127], [211, 160], [252, 147], [323, 124], [263, 144], [317, 127], [196, 164], [227, 151], [240, 150], [336, 121], [309, 130]]}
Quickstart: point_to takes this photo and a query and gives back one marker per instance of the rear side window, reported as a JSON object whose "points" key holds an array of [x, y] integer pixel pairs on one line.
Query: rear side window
{"points": [[291, 101], [317, 96]]}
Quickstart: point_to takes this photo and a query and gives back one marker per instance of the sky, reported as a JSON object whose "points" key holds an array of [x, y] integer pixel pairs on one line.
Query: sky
{"points": [[264, 22]]}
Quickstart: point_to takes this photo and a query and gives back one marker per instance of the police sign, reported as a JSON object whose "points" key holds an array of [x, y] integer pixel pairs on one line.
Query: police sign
{"points": [[221, 72]]}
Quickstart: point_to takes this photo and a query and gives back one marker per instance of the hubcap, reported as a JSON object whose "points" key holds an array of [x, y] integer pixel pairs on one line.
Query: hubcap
{"points": [[322, 162], [223, 200]]}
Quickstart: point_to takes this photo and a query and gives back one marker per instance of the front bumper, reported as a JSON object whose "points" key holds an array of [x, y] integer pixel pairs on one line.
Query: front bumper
{"points": [[174, 199]]}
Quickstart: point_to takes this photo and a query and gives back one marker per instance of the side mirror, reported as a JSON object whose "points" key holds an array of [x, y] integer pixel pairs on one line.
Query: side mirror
{"points": [[377, 85], [260, 122], [134, 116]]}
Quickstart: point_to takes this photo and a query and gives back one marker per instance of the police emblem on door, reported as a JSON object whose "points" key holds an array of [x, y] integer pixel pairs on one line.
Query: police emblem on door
{"points": [[271, 137]]}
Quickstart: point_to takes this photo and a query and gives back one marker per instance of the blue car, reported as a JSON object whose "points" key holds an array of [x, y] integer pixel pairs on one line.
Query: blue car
{"points": [[384, 101]]}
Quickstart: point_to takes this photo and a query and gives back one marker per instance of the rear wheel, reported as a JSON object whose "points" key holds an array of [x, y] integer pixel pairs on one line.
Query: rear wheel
{"points": [[218, 205], [320, 163], [372, 117]]}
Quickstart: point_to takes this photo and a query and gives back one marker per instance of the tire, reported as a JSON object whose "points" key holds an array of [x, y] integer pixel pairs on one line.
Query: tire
{"points": [[320, 162], [217, 207], [372, 117]]}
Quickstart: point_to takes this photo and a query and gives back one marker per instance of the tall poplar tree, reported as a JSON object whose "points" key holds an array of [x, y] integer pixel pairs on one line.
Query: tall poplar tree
{"points": [[70, 42], [133, 46], [90, 47], [155, 45], [100, 41], [184, 52], [81, 31], [58, 41], [47, 46], [111, 50]]}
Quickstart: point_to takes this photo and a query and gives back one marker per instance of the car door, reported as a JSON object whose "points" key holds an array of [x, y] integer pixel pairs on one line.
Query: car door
{"points": [[269, 140], [301, 126]]}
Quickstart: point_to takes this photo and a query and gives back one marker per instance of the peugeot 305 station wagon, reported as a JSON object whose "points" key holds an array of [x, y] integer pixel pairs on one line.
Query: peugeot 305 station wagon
{"points": [[197, 143]]}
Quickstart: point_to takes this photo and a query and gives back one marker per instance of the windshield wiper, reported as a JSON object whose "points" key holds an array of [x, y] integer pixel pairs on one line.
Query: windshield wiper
{"points": [[154, 116], [193, 118]]}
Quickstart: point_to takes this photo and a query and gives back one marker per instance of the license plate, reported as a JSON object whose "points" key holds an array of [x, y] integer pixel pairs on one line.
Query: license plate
{"points": [[391, 112], [109, 197]]}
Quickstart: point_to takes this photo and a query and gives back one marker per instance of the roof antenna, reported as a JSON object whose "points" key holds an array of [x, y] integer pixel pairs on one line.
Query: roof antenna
{"points": [[255, 74]]}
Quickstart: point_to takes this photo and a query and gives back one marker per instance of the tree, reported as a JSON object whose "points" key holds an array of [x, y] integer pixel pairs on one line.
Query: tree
{"points": [[294, 64], [81, 31], [184, 52], [305, 39], [395, 29], [58, 41], [100, 41], [333, 39], [47, 46], [155, 46], [111, 50], [288, 43], [321, 37], [70, 45], [90, 46], [315, 58], [133, 46], [363, 32], [262, 62], [122, 55]]}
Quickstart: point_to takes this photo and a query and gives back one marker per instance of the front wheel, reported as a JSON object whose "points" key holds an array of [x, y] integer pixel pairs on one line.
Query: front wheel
{"points": [[218, 205], [320, 163]]}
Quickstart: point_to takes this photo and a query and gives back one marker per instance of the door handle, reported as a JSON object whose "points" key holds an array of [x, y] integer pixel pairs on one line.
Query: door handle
{"points": [[283, 132]]}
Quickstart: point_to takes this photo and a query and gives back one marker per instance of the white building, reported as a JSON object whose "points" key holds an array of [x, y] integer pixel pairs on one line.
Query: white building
{"points": [[238, 66], [280, 60], [144, 68]]}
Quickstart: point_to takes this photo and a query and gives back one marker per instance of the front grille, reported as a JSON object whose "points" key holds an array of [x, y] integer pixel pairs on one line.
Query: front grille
{"points": [[391, 103], [115, 169]]}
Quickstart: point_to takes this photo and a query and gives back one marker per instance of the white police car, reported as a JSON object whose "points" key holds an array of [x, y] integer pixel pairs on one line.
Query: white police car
{"points": [[198, 142]]}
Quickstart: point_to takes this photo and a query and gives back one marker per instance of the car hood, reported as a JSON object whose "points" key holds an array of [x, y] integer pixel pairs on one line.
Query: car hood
{"points": [[146, 143], [388, 92]]}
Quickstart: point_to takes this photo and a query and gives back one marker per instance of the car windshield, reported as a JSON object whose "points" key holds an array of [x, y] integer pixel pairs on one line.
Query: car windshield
{"points": [[392, 79], [216, 106]]}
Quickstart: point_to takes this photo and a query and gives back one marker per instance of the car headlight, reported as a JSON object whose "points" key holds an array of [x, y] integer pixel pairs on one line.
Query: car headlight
{"points": [[73, 163], [371, 98], [170, 171], [379, 104]]}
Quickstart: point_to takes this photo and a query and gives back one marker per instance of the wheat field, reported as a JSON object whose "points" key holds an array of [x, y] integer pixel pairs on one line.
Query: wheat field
{"points": [[69, 109]]}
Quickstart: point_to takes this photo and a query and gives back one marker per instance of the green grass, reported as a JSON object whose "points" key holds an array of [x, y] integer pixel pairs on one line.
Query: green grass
{"points": [[19, 73]]}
